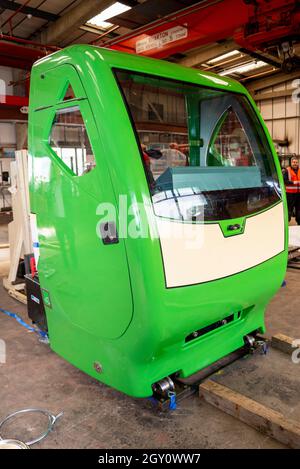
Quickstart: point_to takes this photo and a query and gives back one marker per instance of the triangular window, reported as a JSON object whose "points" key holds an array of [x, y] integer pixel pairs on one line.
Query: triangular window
{"points": [[229, 144], [69, 94]]}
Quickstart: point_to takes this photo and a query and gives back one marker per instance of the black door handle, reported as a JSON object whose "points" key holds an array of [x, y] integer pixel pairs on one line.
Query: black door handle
{"points": [[108, 231]]}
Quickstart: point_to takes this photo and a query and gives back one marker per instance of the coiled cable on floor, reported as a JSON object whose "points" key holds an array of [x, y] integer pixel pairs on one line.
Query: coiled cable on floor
{"points": [[51, 421]]}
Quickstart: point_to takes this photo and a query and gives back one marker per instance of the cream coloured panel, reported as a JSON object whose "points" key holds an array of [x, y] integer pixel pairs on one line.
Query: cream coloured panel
{"points": [[196, 253]]}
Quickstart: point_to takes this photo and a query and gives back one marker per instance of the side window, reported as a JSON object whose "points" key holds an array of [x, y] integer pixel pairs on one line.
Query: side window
{"points": [[69, 94], [230, 145], [69, 140]]}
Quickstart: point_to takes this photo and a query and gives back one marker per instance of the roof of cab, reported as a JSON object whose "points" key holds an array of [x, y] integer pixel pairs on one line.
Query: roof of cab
{"points": [[79, 55]]}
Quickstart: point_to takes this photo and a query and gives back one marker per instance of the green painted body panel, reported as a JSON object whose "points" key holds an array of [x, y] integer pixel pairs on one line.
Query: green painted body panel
{"points": [[109, 304]]}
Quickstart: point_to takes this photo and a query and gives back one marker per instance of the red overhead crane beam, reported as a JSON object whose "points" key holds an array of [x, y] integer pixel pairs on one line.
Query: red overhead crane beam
{"points": [[15, 53], [252, 23], [21, 53], [13, 107], [11, 100], [203, 23], [272, 22]]}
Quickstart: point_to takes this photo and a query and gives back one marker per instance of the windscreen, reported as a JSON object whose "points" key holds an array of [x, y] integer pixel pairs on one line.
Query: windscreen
{"points": [[204, 151]]}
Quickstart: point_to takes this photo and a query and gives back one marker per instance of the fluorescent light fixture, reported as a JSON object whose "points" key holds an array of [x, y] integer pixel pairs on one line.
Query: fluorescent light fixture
{"points": [[223, 56], [243, 68], [115, 9]]}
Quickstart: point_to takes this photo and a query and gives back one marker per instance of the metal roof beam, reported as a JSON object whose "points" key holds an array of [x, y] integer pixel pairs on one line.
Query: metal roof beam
{"points": [[257, 85], [203, 54], [14, 6], [73, 19]]}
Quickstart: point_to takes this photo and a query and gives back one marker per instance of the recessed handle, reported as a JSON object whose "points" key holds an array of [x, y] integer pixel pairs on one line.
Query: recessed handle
{"points": [[108, 231], [235, 227]]}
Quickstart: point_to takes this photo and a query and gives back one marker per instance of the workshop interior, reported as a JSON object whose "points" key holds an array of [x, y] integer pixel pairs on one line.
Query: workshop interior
{"points": [[149, 225]]}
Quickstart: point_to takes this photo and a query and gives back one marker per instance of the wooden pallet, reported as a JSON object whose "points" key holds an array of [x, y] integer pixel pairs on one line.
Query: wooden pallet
{"points": [[16, 291], [251, 412], [294, 257], [283, 343]]}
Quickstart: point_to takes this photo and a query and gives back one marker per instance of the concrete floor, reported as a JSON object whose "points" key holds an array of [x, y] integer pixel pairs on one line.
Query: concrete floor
{"points": [[96, 416]]}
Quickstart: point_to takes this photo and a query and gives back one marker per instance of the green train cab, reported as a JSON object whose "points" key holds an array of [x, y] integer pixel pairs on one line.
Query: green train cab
{"points": [[159, 211]]}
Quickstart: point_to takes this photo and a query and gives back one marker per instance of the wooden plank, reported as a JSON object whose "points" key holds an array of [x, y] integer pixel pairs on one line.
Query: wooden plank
{"points": [[18, 296], [274, 95], [273, 80], [14, 290], [15, 255], [19, 229], [23, 193], [283, 343], [18, 287], [254, 414]]}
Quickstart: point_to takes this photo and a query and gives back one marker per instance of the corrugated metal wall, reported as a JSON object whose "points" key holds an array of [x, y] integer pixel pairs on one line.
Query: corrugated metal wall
{"points": [[282, 114]]}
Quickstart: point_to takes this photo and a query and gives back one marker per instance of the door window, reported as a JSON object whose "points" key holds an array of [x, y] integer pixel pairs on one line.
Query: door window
{"points": [[70, 141]]}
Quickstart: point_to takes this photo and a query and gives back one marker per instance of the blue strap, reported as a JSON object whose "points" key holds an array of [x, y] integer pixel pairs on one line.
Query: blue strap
{"points": [[173, 403], [23, 323], [154, 402], [265, 348]]}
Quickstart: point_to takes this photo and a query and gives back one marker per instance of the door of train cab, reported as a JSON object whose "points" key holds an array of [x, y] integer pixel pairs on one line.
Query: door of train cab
{"points": [[82, 264]]}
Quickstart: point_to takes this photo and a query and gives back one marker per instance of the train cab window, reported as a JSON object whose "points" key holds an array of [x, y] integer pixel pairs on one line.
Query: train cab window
{"points": [[229, 144], [216, 162], [69, 94], [70, 141]]}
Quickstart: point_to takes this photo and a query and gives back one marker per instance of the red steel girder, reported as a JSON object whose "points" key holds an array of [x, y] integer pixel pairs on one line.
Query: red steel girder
{"points": [[12, 113], [20, 55], [14, 101], [212, 21], [271, 22], [12, 55], [206, 22], [10, 107]]}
